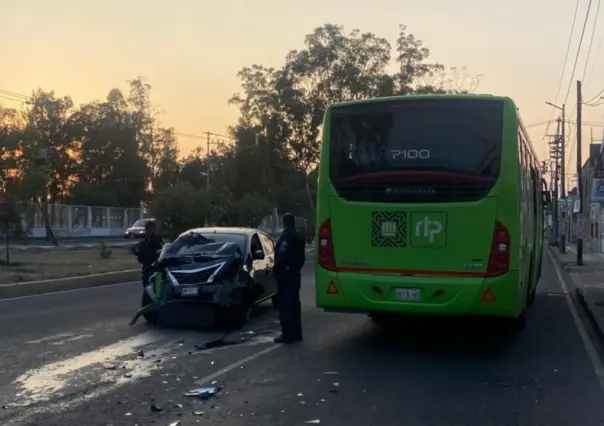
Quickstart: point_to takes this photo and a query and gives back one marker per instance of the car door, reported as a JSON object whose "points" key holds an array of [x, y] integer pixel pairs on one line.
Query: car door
{"points": [[269, 256], [259, 267]]}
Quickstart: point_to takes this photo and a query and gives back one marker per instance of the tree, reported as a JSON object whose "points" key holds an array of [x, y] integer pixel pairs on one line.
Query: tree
{"points": [[168, 167], [283, 108], [23, 178], [49, 123], [112, 171], [157, 145]]}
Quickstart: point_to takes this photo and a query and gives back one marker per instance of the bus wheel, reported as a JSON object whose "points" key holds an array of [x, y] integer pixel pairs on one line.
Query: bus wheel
{"points": [[515, 325]]}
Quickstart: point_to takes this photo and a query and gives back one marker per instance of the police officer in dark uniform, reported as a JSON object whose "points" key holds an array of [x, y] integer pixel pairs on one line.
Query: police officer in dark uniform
{"points": [[289, 260], [146, 250]]}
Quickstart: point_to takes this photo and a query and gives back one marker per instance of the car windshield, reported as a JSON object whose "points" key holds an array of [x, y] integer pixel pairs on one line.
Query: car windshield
{"points": [[141, 223], [200, 244]]}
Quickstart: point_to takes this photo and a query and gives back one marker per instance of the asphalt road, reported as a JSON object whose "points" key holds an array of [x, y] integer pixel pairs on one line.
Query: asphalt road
{"points": [[70, 359]]}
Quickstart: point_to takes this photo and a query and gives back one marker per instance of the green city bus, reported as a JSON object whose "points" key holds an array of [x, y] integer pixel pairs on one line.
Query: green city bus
{"points": [[430, 205]]}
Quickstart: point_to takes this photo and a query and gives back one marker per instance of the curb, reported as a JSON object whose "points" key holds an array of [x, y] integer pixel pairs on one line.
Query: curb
{"points": [[583, 297], [30, 288], [68, 247]]}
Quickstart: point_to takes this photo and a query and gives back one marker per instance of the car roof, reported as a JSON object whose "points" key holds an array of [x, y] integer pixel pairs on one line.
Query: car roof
{"points": [[225, 230]]}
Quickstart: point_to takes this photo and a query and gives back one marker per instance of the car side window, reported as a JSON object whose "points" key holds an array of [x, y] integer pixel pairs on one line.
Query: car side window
{"points": [[256, 244], [267, 242]]}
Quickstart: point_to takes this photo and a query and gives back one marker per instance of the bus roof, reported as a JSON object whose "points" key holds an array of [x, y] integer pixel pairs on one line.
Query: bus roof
{"points": [[423, 97]]}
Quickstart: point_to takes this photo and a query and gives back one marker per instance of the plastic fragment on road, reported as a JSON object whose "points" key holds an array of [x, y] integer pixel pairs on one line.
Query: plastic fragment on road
{"points": [[313, 422], [176, 423], [336, 384], [203, 393]]}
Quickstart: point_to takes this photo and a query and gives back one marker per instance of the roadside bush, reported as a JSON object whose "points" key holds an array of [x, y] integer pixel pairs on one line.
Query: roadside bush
{"points": [[181, 207]]}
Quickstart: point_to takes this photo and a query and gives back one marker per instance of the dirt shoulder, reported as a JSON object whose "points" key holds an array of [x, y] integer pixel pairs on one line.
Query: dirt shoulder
{"points": [[40, 263]]}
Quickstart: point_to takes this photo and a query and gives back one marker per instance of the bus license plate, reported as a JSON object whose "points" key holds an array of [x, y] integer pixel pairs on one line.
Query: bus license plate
{"points": [[408, 294], [189, 291]]}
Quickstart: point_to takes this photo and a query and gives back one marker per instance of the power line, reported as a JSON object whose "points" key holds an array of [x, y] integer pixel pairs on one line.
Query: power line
{"points": [[572, 75], [10, 98], [14, 94], [593, 66], [578, 54], [591, 41], [570, 38]]}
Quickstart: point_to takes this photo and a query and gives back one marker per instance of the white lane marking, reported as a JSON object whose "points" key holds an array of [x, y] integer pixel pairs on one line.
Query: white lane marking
{"points": [[596, 362], [140, 370], [10, 299], [44, 383], [236, 364], [71, 339], [49, 338]]}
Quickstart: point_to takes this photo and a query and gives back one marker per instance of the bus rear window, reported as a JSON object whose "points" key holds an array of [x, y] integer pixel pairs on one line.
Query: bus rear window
{"points": [[416, 151]]}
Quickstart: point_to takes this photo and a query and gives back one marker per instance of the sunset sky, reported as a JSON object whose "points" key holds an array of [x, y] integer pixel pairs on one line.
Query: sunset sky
{"points": [[191, 50]]}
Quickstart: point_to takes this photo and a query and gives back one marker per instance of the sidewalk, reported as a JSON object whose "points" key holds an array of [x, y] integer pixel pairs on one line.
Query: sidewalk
{"points": [[587, 279]]}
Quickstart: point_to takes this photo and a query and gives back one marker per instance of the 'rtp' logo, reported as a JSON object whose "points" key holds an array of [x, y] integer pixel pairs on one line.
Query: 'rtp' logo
{"points": [[430, 230]]}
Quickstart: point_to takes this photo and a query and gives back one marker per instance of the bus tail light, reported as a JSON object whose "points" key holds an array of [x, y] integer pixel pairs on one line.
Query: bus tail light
{"points": [[327, 257], [499, 258]]}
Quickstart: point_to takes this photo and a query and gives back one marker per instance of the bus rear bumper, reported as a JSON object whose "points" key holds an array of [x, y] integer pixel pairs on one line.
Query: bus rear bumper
{"points": [[451, 296]]}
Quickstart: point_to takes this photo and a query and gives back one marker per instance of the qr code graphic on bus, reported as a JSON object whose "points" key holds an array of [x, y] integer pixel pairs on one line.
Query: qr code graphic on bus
{"points": [[389, 229]]}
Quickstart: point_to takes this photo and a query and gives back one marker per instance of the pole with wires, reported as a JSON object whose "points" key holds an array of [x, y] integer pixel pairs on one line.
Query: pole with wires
{"points": [[579, 179], [563, 182]]}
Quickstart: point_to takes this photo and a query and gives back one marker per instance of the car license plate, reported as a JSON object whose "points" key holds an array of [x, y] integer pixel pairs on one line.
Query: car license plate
{"points": [[189, 291], [408, 294]]}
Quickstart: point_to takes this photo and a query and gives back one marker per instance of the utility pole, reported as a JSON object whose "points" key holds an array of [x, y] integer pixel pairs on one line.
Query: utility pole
{"points": [[559, 152], [563, 182], [554, 146], [579, 177], [208, 161]]}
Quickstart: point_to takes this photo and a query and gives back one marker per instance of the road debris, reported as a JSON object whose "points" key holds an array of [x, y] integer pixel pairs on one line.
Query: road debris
{"points": [[156, 409], [203, 393], [313, 422], [176, 423]]}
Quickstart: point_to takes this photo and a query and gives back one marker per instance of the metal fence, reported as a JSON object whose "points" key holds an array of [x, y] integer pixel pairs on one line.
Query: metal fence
{"points": [[82, 221], [71, 221]]}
